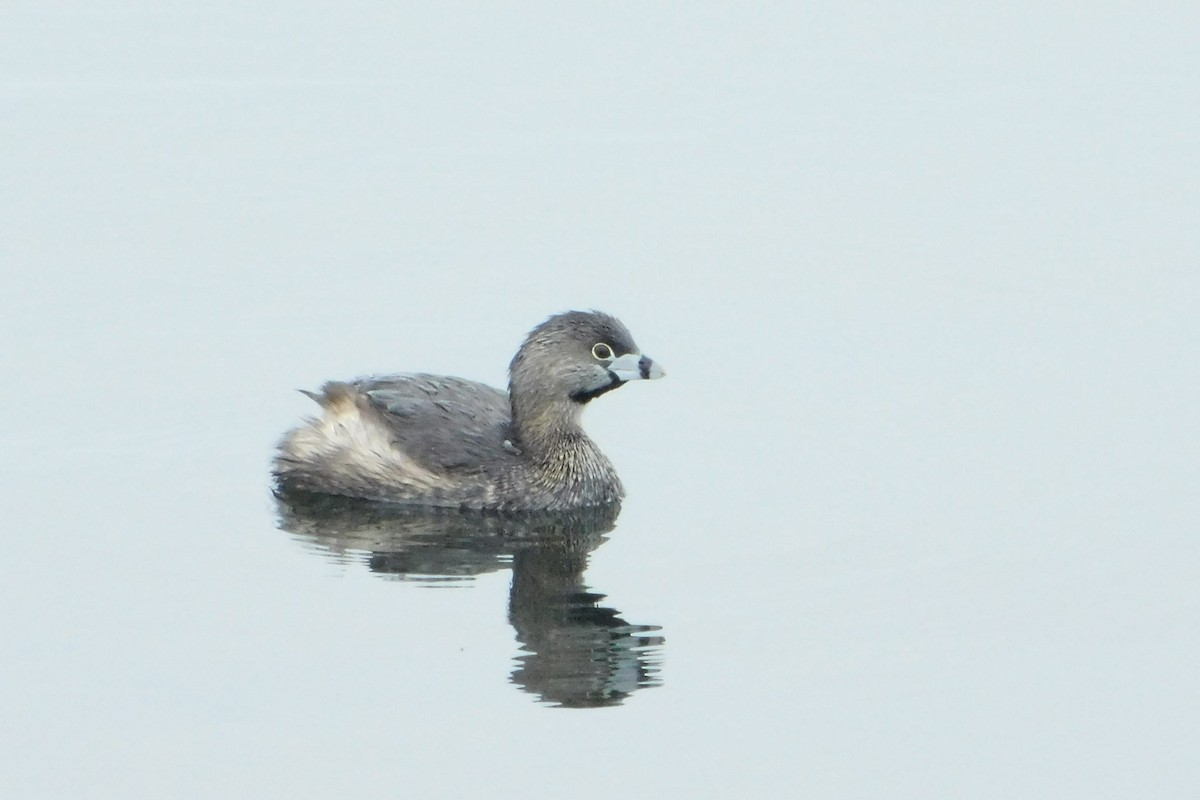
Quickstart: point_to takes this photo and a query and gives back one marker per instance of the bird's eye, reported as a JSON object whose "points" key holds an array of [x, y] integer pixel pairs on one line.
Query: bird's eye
{"points": [[601, 351]]}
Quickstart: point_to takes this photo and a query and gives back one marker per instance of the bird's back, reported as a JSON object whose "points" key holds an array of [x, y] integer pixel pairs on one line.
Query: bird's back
{"points": [[443, 422], [428, 439]]}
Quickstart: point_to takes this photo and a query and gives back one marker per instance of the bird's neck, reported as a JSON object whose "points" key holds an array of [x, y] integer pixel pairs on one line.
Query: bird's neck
{"points": [[564, 459]]}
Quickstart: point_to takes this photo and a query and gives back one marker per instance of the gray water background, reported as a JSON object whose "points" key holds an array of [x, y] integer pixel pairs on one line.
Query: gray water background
{"points": [[915, 508]]}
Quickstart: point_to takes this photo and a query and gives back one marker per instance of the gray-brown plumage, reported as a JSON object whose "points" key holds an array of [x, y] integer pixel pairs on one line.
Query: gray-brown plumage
{"points": [[437, 441]]}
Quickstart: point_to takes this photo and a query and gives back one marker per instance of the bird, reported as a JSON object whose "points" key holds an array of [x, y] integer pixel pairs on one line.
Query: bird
{"points": [[441, 442]]}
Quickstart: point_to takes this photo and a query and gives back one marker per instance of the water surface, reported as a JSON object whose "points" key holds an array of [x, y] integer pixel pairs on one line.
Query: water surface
{"points": [[912, 515]]}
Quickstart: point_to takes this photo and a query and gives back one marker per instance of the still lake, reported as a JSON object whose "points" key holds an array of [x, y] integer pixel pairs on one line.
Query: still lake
{"points": [[913, 514]]}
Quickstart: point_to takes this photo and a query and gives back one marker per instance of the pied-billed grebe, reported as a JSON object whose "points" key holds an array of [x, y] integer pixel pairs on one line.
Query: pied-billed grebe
{"points": [[437, 441]]}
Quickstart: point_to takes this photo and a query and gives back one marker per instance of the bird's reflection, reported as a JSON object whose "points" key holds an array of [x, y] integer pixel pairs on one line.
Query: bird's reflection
{"points": [[576, 652]]}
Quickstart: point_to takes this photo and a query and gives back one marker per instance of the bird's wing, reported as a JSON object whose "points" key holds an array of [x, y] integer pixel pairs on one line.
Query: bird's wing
{"points": [[442, 422]]}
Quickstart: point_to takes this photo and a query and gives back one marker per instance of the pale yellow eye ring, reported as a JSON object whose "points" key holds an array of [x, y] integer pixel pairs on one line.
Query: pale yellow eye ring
{"points": [[602, 352]]}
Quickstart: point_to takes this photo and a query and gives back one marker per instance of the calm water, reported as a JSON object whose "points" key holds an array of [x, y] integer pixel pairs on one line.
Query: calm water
{"points": [[577, 652], [914, 513]]}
